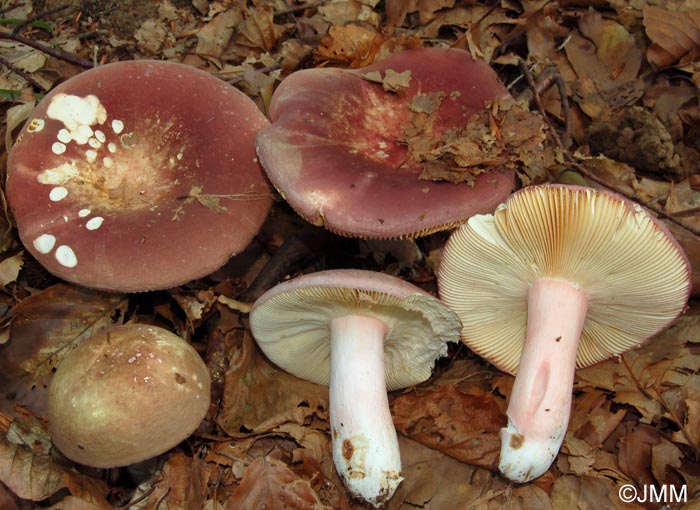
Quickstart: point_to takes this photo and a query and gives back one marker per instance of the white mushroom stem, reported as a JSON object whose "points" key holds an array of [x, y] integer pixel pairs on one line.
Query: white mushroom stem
{"points": [[540, 403], [365, 446]]}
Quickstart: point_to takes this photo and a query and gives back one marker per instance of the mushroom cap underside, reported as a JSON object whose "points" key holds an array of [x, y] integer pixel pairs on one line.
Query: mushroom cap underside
{"points": [[634, 274], [291, 323]]}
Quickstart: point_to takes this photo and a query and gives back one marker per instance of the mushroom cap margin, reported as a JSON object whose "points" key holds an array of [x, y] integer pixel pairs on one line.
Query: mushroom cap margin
{"points": [[290, 323]]}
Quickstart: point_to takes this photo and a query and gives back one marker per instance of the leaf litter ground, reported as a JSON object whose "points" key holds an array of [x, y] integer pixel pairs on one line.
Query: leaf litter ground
{"points": [[606, 75]]}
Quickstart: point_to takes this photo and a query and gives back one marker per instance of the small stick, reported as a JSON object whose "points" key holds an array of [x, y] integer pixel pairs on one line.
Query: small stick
{"points": [[19, 72], [38, 16], [54, 52]]}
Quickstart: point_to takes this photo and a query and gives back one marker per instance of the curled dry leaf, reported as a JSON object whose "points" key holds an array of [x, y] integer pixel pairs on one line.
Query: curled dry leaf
{"points": [[464, 426], [604, 51], [675, 36], [505, 137], [29, 470], [258, 31], [44, 328], [259, 397], [270, 484], [180, 484], [213, 37], [351, 45]]}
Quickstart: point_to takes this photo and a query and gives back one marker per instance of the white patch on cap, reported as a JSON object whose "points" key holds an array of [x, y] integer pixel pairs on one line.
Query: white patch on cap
{"points": [[117, 126], [84, 213], [94, 223], [107, 161], [83, 134], [94, 143], [99, 134], [66, 256], [64, 135], [58, 148], [59, 175], [36, 125], [58, 193], [112, 147], [44, 243], [77, 114], [91, 155]]}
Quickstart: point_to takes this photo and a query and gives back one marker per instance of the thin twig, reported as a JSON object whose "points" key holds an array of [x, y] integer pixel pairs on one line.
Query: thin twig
{"points": [[566, 110], [22, 73], [31, 19], [54, 52], [538, 102], [8, 9]]}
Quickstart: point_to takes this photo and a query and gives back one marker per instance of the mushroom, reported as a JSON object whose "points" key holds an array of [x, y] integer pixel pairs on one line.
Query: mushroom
{"points": [[125, 395], [138, 175], [558, 277], [362, 333], [343, 144]]}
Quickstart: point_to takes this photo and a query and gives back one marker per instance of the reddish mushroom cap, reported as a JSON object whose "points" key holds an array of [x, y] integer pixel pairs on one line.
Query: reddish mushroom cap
{"points": [[336, 148], [138, 175]]}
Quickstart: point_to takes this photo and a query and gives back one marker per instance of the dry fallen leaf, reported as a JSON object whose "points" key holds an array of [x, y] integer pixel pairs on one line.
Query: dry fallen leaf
{"points": [[349, 45], [30, 471], [464, 426], [268, 483], [675, 35], [259, 397], [44, 328], [180, 485]]}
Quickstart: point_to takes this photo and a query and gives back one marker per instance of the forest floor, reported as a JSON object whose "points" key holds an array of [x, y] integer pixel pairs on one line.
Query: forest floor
{"points": [[617, 83]]}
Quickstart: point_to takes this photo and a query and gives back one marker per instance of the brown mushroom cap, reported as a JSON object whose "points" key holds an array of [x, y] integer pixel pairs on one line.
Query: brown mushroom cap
{"points": [[336, 148], [138, 175], [127, 394]]}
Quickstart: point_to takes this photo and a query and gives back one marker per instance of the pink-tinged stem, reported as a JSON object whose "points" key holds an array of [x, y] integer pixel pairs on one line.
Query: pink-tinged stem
{"points": [[365, 446], [540, 403]]}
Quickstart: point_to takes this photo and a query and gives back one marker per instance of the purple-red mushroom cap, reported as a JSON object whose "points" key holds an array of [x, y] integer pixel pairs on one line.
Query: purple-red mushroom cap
{"points": [[558, 277], [138, 175], [337, 150]]}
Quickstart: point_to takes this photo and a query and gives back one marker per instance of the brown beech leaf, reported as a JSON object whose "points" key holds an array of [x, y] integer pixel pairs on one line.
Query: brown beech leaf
{"points": [[464, 426], [45, 327], [635, 452], [258, 31], [397, 10], [506, 136], [213, 37], [588, 493], [28, 469], [180, 485], [270, 484], [675, 36], [350, 45], [259, 397], [73, 503], [592, 419]]}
